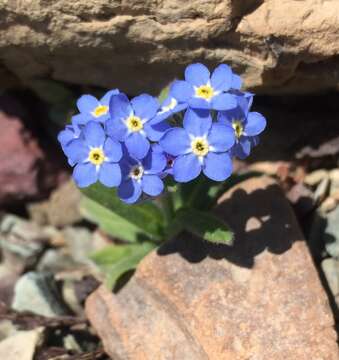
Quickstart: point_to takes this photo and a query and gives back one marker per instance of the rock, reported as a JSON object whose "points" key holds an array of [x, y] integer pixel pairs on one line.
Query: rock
{"points": [[334, 176], [301, 198], [8, 279], [330, 268], [328, 205], [62, 209], [322, 190], [54, 261], [19, 167], [38, 293], [7, 329], [128, 44], [22, 345], [28, 170], [315, 177], [21, 242], [259, 299], [331, 233]]}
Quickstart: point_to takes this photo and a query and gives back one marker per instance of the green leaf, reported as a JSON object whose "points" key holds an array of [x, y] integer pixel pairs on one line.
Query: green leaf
{"points": [[109, 222], [204, 225], [145, 218], [115, 260]]}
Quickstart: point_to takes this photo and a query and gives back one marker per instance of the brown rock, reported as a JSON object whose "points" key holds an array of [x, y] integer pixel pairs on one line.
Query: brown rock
{"points": [[128, 44], [61, 209], [260, 299]]}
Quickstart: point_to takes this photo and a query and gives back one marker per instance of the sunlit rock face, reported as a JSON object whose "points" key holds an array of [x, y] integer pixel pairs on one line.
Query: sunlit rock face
{"points": [[277, 46]]}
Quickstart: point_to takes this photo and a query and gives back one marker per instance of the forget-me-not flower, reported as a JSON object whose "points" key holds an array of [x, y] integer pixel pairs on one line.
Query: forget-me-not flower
{"points": [[133, 123], [91, 108], [201, 90], [141, 176], [199, 146], [245, 124], [96, 157]]}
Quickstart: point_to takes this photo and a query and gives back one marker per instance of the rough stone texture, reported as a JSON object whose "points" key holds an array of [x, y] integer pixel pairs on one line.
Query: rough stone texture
{"points": [[278, 46], [260, 299], [28, 170], [22, 345]]}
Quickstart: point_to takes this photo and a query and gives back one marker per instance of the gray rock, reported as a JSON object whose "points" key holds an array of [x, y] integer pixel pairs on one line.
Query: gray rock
{"points": [[322, 190], [331, 235], [56, 260], [21, 241], [38, 293], [330, 267]]}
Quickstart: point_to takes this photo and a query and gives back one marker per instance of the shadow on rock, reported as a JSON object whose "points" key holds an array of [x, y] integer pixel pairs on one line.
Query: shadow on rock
{"points": [[261, 220]]}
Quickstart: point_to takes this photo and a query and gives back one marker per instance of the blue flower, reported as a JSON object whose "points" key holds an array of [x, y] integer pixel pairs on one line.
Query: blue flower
{"points": [[96, 157], [91, 108], [65, 136], [204, 91], [200, 146], [245, 124], [141, 176], [133, 122], [169, 107]]}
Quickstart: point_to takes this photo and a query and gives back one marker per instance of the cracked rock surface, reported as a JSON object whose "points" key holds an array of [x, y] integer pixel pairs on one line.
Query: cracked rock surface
{"points": [[277, 46]]}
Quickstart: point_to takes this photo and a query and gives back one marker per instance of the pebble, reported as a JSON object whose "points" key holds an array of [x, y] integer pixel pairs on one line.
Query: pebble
{"points": [[38, 293], [315, 177]]}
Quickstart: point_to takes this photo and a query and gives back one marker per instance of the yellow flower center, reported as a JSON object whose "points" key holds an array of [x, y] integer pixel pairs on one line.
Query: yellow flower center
{"points": [[238, 128], [204, 91], [96, 156], [100, 110], [136, 172], [134, 123], [200, 147]]}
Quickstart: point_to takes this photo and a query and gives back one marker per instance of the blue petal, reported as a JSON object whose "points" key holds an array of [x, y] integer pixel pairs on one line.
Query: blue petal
{"points": [[176, 142], [137, 145], [152, 185], [236, 82], [197, 122], [182, 90], [221, 137], [110, 174], [112, 150], [79, 120], [155, 161], [65, 136], [242, 149], [129, 191], [94, 134], [87, 103], [255, 124], [199, 103], [85, 174], [197, 74], [244, 103], [120, 107], [77, 151], [186, 168], [224, 102], [221, 79], [217, 167], [117, 129], [107, 97], [156, 131], [145, 106]]}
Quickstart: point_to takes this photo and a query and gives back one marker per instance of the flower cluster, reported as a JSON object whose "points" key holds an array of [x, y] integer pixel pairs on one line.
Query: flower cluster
{"points": [[134, 144]]}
